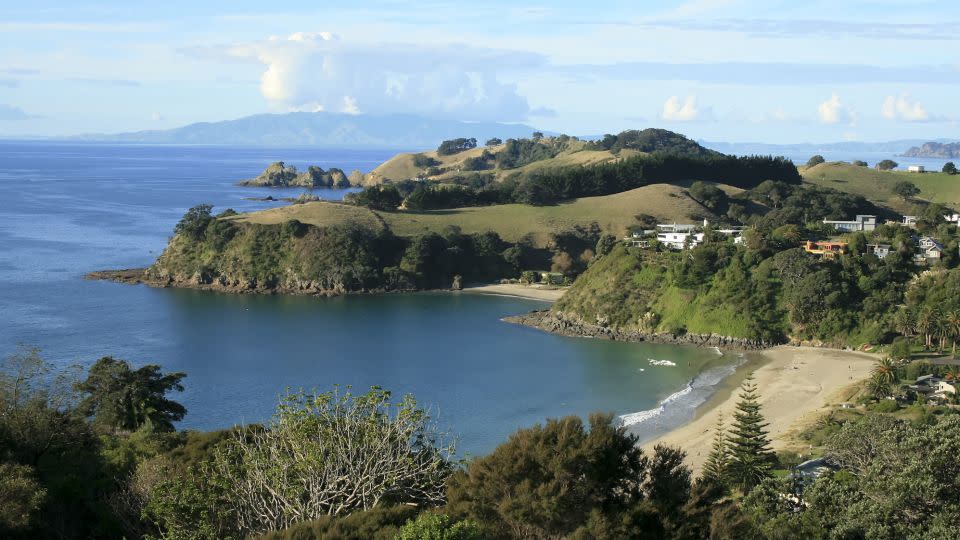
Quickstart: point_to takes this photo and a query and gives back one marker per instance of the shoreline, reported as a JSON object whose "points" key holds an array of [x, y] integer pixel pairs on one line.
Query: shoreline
{"points": [[517, 290], [796, 385]]}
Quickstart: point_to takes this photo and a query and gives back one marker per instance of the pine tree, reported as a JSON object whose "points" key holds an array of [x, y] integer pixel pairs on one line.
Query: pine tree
{"points": [[716, 468], [750, 455]]}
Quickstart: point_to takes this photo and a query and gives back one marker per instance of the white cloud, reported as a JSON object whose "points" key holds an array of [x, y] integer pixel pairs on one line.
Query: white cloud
{"points": [[832, 111], [674, 111], [901, 108], [319, 71]]}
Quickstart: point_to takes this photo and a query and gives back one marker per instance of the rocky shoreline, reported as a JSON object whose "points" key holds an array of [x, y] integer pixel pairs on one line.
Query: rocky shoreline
{"points": [[571, 326], [143, 276]]}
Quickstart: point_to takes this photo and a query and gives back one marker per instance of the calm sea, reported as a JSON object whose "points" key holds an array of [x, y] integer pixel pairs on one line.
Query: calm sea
{"points": [[67, 209]]}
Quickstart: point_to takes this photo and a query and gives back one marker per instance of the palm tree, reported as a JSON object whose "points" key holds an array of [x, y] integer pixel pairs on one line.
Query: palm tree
{"points": [[953, 323], [903, 322], [924, 324], [942, 331], [885, 371], [878, 388]]}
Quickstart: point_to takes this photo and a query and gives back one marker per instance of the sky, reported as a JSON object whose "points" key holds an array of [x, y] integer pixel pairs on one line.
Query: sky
{"points": [[719, 70]]}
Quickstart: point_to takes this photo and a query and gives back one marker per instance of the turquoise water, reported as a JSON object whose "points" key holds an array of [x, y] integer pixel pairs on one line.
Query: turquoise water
{"points": [[70, 209]]}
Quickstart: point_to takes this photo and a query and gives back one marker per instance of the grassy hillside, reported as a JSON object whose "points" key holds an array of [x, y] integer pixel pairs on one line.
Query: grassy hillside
{"points": [[877, 185], [614, 213]]}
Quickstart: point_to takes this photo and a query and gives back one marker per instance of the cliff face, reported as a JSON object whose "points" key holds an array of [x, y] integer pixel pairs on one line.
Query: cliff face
{"points": [[935, 150], [280, 175]]}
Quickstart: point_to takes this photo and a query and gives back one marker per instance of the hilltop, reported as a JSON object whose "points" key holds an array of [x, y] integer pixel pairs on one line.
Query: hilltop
{"points": [[499, 159], [877, 186], [320, 129]]}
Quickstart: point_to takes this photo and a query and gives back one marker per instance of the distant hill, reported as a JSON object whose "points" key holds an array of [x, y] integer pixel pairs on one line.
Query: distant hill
{"points": [[892, 147], [935, 150], [877, 186], [322, 129]]}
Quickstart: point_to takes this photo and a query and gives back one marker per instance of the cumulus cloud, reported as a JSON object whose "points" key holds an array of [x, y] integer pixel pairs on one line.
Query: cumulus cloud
{"points": [[901, 108], [832, 111], [321, 72], [674, 111]]}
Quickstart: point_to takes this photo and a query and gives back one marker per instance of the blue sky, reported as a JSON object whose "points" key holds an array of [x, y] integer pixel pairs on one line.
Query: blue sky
{"points": [[772, 71]]}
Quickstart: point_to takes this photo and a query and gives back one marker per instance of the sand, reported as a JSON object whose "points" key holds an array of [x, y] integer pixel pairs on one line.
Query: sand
{"points": [[533, 292], [796, 386]]}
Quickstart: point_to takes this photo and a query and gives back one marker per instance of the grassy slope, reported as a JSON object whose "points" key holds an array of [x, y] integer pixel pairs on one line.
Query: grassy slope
{"points": [[614, 213], [876, 185], [401, 166]]}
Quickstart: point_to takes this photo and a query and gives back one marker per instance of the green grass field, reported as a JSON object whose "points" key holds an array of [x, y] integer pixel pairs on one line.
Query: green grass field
{"points": [[876, 185], [614, 213]]}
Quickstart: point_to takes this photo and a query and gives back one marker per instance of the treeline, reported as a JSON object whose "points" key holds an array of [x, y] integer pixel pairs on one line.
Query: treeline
{"points": [[297, 257], [650, 140], [367, 466]]}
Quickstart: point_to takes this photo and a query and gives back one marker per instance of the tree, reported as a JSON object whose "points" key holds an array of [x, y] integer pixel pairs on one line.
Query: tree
{"points": [[815, 160], [903, 322], [900, 349], [494, 141], [925, 323], [424, 161], [860, 163], [949, 168], [887, 165], [709, 195], [380, 197], [885, 371], [546, 481], [194, 222], [905, 189], [717, 465], [117, 397], [326, 454], [20, 496], [537, 135], [750, 455], [455, 146], [952, 321]]}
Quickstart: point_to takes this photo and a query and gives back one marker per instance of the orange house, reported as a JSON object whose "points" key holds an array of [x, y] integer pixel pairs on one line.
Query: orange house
{"points": [[828, 250]]}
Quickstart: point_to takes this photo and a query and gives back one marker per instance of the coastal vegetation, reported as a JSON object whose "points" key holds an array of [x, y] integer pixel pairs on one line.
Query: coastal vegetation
{"points": [[340, 464]]}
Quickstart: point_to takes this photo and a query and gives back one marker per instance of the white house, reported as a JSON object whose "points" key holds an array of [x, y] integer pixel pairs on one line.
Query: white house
{"points": [[880, 250], [861, 223], [680, 240], [910, 221], [952, 218], [928, 250], [916, 168]]}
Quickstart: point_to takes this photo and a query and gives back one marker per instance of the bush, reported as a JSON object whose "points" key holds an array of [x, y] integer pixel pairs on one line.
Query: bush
{"points": [[430, 526], [455, 146], [949, 168], [887, 165], [885, 406], [424, 161], [815, 160]]}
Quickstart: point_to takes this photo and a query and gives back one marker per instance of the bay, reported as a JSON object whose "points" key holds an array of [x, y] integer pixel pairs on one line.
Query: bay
{"points": [[67, 209]]}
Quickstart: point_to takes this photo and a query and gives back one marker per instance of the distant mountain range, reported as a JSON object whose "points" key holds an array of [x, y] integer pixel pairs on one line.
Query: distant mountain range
{"points": [[409, 132], [935, 150]]}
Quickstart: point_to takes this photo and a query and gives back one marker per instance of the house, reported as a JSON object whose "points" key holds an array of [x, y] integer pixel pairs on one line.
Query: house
{"points": [[909, 221], [861, 223], [916, 168], [827, 250], [929, 251], [952, 218], [680, 240], [880, 250]]}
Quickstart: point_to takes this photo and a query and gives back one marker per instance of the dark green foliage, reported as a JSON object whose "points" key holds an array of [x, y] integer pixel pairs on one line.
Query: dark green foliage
{"points": [[652, 140], [194, 222], [860, 163], [495, 141], [905, 189], [376, 524], [117, 397], [20, 496], [545, 481], [382, 197], [751, 458], [815, 160], [520, 152], [710, 196], [422, 160], [455, 146], [949, 168], [887, 165]]}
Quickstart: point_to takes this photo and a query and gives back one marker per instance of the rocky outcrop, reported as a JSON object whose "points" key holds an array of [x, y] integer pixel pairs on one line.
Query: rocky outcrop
{"points": [[935, 150], [279, 174], [563, 324]]}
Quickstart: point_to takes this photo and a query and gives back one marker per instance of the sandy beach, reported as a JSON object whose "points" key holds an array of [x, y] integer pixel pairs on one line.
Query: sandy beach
{"points": [[534, 292], [796, 384]]}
